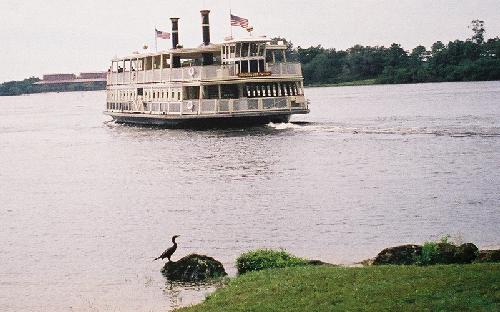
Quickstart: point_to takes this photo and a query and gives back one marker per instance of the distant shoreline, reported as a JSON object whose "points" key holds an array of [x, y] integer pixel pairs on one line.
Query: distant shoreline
{"points": [[99, 86]]}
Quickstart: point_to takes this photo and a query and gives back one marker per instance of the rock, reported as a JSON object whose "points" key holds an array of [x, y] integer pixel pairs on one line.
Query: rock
{"points": [[193, 268], [318, 262], [466, 253], [446, 253], [405, 254], [489, 256]]}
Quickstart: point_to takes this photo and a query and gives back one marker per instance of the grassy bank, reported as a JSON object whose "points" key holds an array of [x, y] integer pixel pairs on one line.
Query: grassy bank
{"points": [[366, 82], [474, 287]]}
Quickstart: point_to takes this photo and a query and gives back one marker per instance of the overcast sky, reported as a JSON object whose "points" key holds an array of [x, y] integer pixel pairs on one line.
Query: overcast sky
{"points": [[53, 36]]}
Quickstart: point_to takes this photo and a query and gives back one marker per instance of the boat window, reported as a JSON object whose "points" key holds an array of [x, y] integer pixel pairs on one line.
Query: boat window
{"points": [[127, 65], [192, 93], [148, 63], [211, 92], [254, 66], [244, 67], [262, 48], [156, 61], [245, 49], [254, 49], [165, 61], [238, 49], [232, 50], [229, 91], [140, 91], [262, 66], [140, 64]]}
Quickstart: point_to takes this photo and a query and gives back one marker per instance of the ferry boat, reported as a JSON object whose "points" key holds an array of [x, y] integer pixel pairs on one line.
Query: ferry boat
{"points": [[235, 83]]}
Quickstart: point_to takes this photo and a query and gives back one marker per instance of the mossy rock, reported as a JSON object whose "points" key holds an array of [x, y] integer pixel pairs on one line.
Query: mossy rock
{"points": [[405, 254], [489, 256], [193, 268], [448, 253], [466, 253]]}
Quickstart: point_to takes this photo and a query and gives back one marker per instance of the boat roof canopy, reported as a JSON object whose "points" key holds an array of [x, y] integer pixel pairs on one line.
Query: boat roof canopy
{"points": [[193, 53], [249, 39], [188, 53]]}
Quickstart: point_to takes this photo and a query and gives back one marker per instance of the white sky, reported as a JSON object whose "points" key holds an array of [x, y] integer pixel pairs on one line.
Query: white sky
{"points": [[52, 36]]}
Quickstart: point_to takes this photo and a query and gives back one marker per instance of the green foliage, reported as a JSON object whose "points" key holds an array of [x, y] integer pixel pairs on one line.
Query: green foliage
{"points": [[470, 60], [376, 288], [477, 27], [430, 254], [27, 86], [446, 252], [266, 259]]}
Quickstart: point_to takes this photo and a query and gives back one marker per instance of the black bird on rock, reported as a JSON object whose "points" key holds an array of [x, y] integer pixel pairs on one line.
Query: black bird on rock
{"points": [[170, 251]]}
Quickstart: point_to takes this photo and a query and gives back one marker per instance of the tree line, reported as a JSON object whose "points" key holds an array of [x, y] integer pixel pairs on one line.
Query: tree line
{"points": [[28, 86], [469, 60]]}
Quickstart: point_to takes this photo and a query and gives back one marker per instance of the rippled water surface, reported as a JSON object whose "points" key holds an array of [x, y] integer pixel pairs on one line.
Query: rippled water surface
{"points": [[85, 204]]}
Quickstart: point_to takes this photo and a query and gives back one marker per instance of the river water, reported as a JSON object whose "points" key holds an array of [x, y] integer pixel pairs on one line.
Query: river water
{"points": [[85, 204]]}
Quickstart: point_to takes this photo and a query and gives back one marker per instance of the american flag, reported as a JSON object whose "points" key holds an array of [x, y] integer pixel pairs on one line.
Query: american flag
{"points": [[239, 21], [162, 34]]}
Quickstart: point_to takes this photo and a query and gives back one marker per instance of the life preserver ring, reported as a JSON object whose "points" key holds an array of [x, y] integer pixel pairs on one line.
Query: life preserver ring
{"points": [[191, 71]]}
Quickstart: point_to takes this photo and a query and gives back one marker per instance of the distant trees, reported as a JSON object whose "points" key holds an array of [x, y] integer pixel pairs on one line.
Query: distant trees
{"points": [[27, 86], [477, 27], [472, 59]]}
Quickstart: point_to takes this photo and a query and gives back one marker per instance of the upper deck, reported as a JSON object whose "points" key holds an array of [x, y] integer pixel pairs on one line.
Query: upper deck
{"points": [[243, 59]]}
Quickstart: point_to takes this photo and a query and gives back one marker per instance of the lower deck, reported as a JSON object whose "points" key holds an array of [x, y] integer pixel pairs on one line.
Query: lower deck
{"points": [[159, 103], [209, 106]]}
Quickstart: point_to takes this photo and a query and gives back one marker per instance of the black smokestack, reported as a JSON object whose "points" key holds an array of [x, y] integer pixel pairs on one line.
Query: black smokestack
{"points": [[176, 60], [205, 25], [208, 58]]}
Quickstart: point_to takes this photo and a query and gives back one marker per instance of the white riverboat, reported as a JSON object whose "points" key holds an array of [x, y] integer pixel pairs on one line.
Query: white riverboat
{"points": [[235, 83]]}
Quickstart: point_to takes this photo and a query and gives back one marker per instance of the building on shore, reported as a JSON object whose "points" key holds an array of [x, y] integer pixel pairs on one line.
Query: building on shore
{"points": [[72, 78]]}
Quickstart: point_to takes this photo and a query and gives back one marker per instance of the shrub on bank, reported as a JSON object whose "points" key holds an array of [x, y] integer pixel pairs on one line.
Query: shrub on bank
{"points": [[267, 259], [441, 252], [444, 252]]}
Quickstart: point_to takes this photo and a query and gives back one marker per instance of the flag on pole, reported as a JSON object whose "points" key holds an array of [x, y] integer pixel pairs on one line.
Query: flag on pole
{"points": [[162, 34], [239, 21]]}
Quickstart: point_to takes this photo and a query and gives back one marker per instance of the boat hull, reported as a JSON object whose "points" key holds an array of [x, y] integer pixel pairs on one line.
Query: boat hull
{"points": [[218, 121]]}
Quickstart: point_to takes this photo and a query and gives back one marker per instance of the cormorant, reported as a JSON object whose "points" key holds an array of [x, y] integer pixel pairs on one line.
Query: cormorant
{"points": [[170, 251]]}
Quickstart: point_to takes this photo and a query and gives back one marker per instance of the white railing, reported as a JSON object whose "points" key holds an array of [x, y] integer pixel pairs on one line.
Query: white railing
{"points": [[211, 72], [210, 107], [206, 107], [285, 69]]}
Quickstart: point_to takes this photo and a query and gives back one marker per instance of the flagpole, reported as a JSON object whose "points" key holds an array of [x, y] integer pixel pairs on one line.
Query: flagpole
{"points": [[230, 24], [156, 41]]}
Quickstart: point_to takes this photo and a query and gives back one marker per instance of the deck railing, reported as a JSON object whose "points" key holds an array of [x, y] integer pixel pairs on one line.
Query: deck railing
{"points": [[210, 107], [195, 73]]}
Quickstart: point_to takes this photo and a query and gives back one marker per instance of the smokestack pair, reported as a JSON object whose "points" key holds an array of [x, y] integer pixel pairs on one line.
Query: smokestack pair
{"points": [[208, 58]]}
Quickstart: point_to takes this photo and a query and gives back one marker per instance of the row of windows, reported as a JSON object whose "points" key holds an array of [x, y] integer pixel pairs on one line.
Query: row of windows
{"points": [[230, 91], [172, 94], [272, 89]]}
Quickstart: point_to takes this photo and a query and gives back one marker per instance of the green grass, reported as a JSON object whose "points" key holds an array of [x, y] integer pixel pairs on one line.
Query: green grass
{"points": [[474, 287]]}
